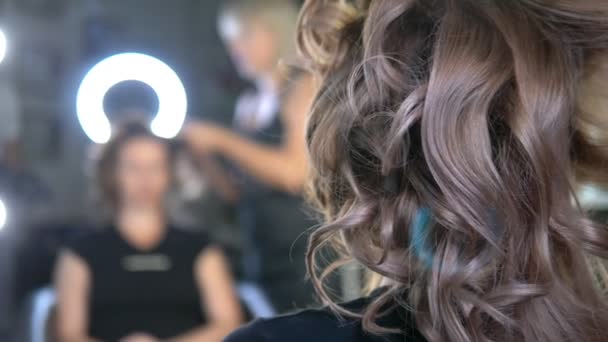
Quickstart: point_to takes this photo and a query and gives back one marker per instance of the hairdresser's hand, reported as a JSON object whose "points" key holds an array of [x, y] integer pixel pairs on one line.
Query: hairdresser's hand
{"points": [[204, 137], [139, 337]]}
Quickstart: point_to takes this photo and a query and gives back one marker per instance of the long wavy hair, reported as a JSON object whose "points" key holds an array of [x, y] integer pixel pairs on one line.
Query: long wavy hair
{"points": [[446, 142]]}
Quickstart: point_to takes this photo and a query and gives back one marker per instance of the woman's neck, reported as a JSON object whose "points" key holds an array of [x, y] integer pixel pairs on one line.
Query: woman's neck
{"points": [[143, 228]]}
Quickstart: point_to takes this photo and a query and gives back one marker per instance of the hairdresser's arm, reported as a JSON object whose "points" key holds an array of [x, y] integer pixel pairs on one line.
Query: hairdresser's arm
{"points": [[72, 283], [284, 166], [220, 301]]}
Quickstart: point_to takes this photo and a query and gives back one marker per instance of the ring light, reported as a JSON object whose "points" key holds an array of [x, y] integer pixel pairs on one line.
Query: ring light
{"points": [[172, 99]]}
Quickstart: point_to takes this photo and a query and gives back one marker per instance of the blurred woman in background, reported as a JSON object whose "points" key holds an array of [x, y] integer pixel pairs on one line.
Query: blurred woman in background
{"points": [[142, 280], [267, 146]]}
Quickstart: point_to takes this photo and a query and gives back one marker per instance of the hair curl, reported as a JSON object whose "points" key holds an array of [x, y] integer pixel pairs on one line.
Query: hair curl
{"points": [[446, 140]]}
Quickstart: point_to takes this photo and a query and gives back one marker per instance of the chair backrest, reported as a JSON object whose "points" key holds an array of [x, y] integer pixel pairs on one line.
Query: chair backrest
{"points": [[42, 317], [255, 300]]}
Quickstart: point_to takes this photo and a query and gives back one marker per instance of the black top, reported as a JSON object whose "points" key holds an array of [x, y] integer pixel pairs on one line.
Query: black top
{"points": [[325, 326], [274, 224], [133, 291]]}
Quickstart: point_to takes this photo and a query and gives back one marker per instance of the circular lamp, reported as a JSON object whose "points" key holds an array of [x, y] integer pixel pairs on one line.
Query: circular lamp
{"points": [[172, 99]]}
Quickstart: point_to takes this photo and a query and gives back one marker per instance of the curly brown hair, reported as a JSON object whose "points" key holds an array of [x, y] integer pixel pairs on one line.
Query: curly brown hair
{"points": [[446, 140]]}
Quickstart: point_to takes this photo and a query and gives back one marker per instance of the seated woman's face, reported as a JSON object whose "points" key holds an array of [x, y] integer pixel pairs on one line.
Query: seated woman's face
{"points": [[253, 47], [143, 173]]}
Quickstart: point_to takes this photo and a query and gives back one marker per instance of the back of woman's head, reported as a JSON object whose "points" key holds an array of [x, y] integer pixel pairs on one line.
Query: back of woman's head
{"points": [[446, 143]]}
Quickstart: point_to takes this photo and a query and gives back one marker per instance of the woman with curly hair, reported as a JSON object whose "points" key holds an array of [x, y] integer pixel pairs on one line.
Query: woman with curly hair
{"points": [[446, 142]]}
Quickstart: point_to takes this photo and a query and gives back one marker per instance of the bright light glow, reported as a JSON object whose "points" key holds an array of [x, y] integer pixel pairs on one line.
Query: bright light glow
{"points": [[3, 214], [230, 27], [172, 100], [592, 197], [3, 44]]}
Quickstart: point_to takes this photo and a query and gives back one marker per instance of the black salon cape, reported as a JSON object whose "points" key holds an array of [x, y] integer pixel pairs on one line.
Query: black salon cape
{"points": [[322, 325]]}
